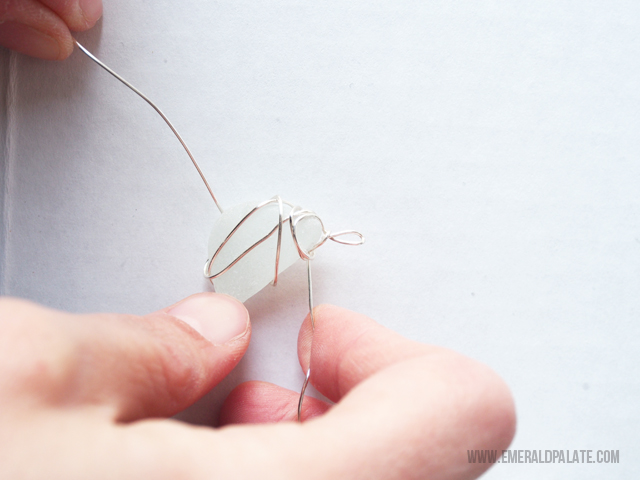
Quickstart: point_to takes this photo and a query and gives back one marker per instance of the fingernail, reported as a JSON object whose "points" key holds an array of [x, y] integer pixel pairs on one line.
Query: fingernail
{"points": [[29, 41], [218, 318], [92, 10]]}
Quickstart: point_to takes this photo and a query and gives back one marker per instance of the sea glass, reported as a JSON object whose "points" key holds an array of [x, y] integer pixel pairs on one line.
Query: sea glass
{"points": [[257, 269]]}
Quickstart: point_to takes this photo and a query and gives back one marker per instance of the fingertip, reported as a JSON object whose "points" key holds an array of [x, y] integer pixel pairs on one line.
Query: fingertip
{"points": [[219, 318], [482, 412], [91, 12], [66, 46], [497, 410]]}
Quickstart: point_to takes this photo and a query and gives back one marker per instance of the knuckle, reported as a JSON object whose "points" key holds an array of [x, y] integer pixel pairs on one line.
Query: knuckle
{"points": [[174, 369], [180, 369]]}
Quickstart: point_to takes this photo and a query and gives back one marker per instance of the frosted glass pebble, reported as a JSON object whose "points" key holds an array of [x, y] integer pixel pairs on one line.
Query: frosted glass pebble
{"points": [[257, 269]]}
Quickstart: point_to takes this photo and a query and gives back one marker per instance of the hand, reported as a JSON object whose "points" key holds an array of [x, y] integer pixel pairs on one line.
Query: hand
{"points": [[41, 28], [82, 396]]}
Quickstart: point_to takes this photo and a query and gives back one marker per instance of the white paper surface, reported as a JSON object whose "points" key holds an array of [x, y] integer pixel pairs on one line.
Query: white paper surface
{"points": [[489, 151]]}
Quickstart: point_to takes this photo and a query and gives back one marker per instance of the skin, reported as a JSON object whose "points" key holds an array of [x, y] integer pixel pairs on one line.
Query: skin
{"points": [[89, 396], [42, 28]]}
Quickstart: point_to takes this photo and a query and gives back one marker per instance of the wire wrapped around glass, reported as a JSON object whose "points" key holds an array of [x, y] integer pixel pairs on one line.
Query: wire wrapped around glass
{"points": [[293, 219]]}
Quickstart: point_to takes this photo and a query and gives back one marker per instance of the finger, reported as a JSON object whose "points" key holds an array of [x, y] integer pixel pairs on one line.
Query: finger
{"points": [[348, 347], [405, 410], [412, 419], [411, 414], [412, 404], [79, 15], [262, 402], [154, 365], [29, 27]]}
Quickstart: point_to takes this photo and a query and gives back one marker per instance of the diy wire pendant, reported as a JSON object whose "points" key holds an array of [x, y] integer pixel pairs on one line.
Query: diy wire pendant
{"points": [[251, 244]]}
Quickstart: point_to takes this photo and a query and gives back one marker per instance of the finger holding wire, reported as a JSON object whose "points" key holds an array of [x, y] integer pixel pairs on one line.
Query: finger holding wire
{"points": [[43, 28]]}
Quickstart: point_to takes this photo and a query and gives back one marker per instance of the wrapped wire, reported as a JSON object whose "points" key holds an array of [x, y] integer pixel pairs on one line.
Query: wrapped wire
{"points": [[296, 214]]}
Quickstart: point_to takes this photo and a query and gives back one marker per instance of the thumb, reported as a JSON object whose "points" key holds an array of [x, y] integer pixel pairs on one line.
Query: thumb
{"points": [[148, 366]]}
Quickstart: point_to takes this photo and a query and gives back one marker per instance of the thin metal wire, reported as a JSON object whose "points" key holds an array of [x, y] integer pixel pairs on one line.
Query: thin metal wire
{"points": [[164, 117], [296, 215], [313, 331], [209, 265]]}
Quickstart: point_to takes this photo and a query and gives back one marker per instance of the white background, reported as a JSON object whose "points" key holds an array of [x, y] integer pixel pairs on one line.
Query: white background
{"points": [[488, 150]]}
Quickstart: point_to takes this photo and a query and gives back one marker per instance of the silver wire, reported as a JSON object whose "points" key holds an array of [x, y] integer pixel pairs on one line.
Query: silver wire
{"points": [[296, 214], [313, 331], [164, 117], [208, 266]]}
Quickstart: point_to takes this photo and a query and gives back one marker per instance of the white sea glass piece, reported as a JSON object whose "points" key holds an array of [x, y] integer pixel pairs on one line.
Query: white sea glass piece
{"points": [[257, 269]]}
